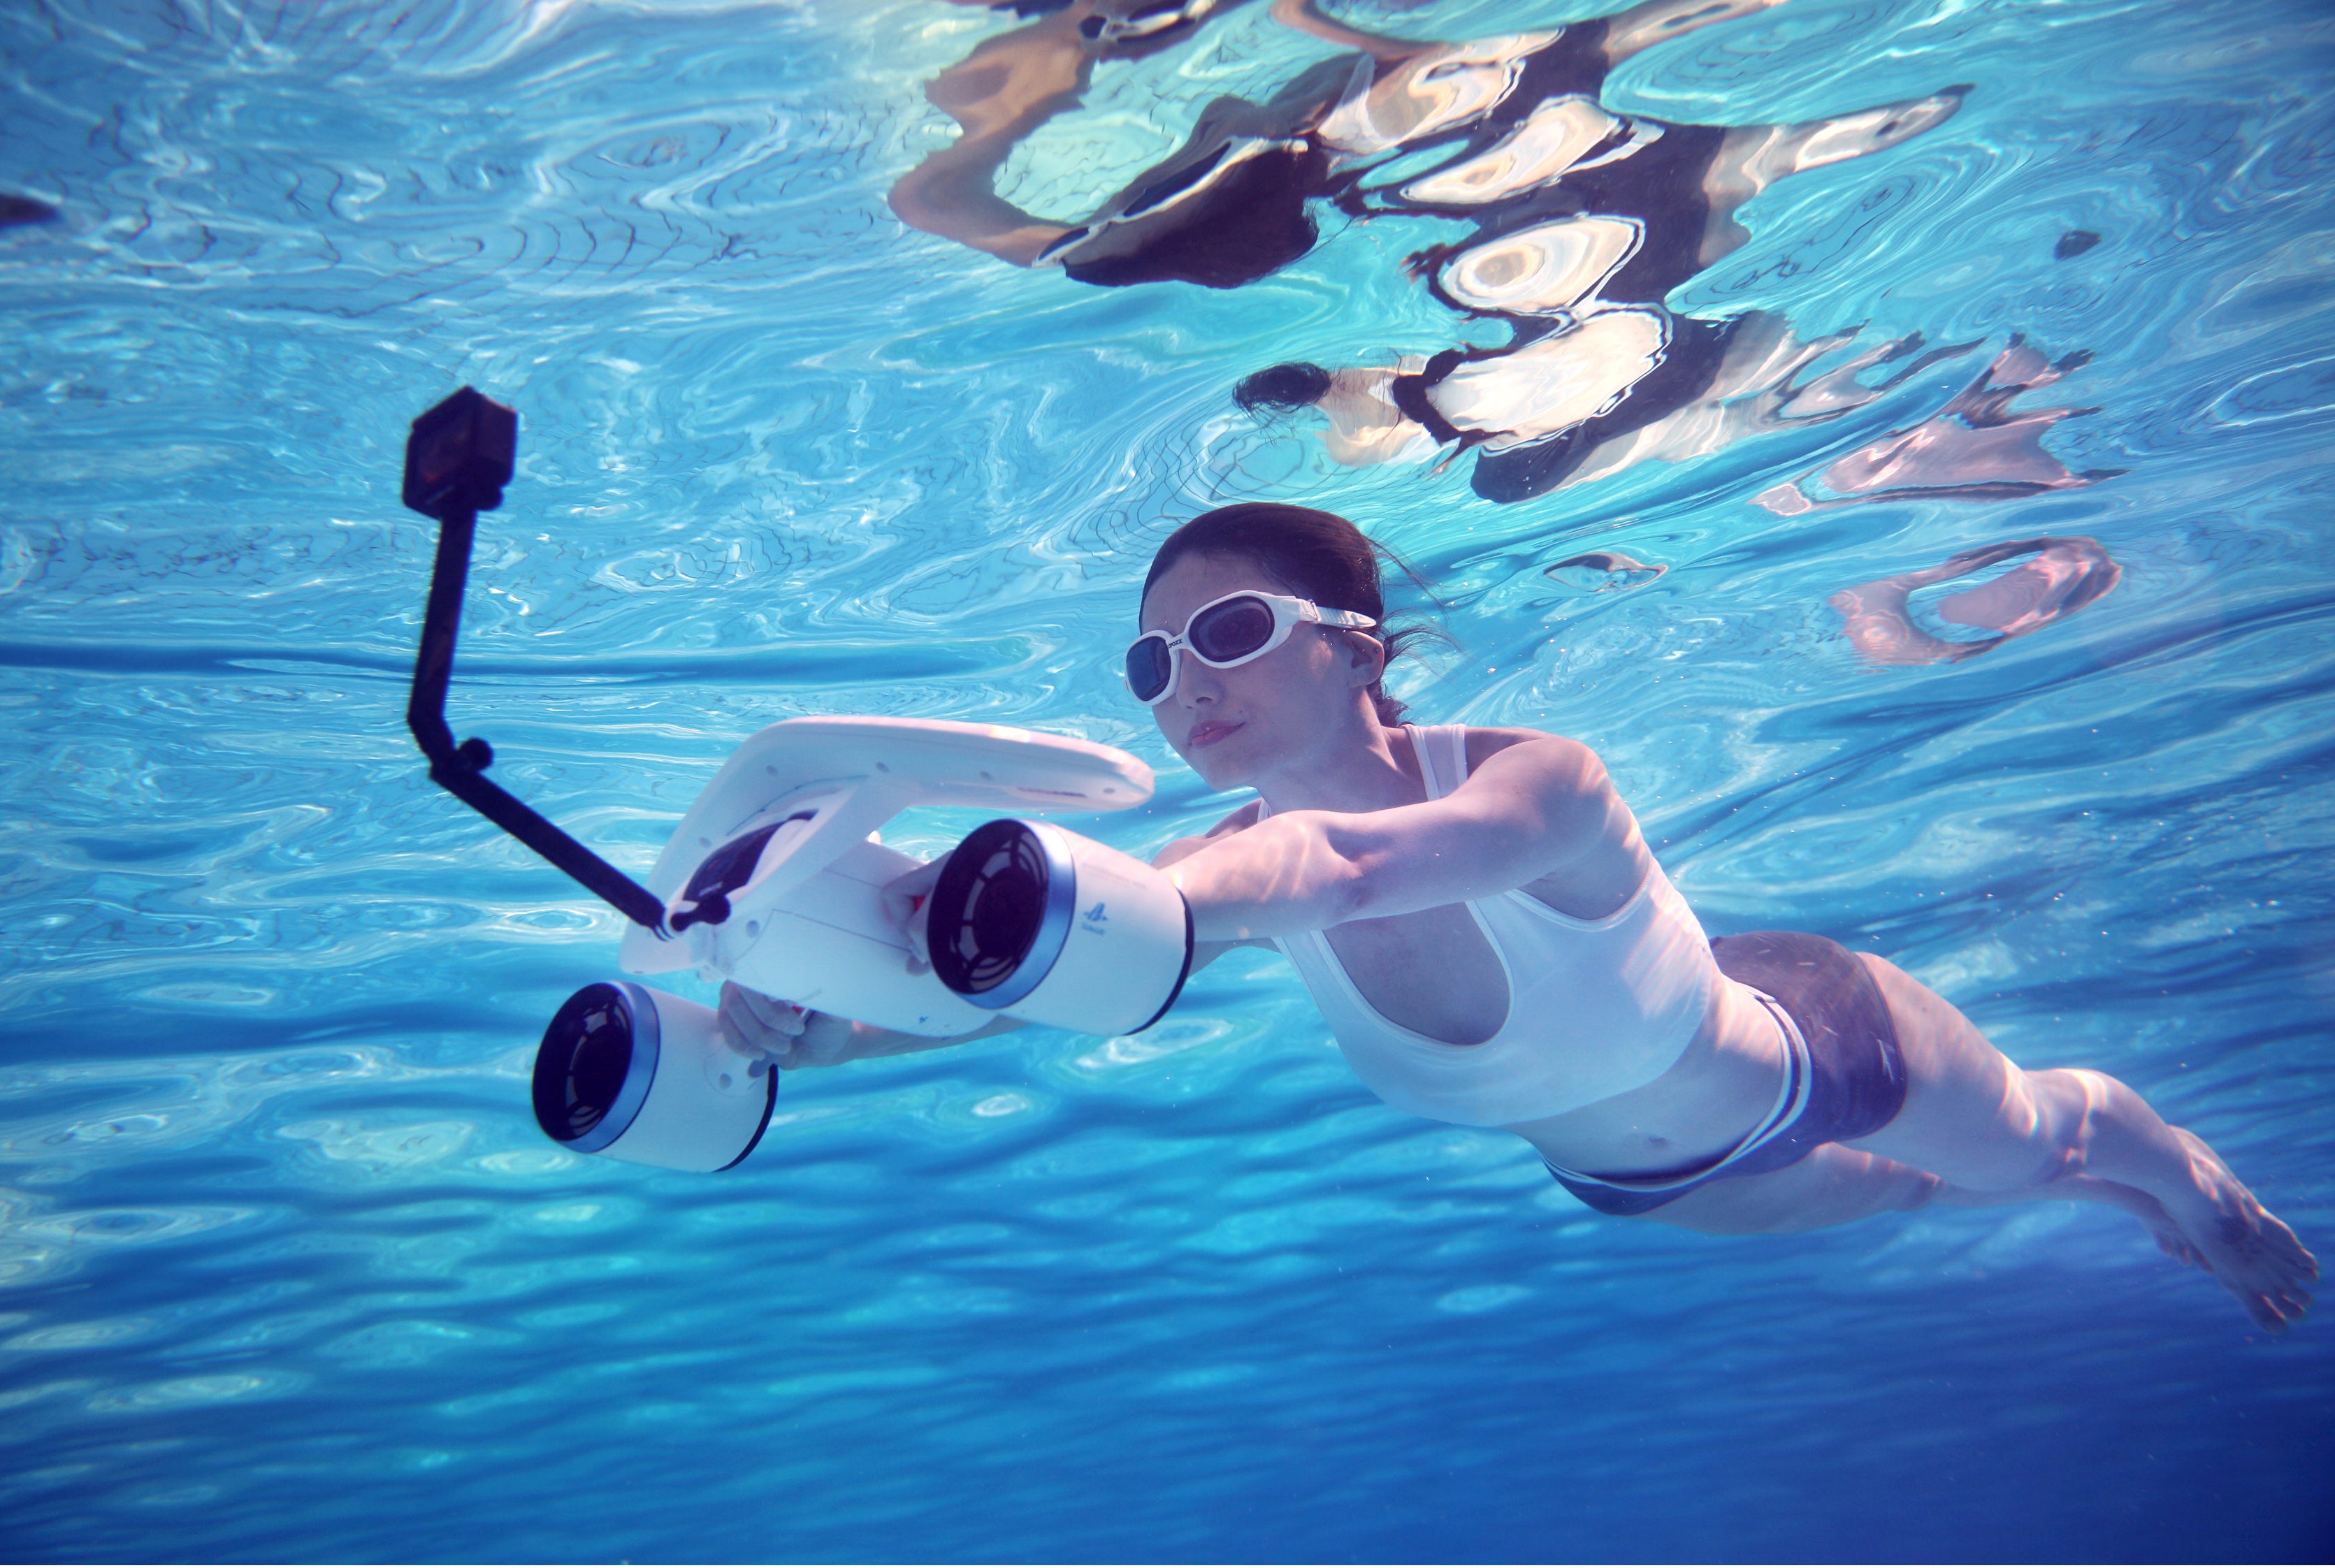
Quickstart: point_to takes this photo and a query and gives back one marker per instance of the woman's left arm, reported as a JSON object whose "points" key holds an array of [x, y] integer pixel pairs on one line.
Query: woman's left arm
{"points": [[1540, 807]]}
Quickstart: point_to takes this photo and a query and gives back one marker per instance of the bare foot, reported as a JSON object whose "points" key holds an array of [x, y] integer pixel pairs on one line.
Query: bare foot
{"points": [[2249, 1249]]}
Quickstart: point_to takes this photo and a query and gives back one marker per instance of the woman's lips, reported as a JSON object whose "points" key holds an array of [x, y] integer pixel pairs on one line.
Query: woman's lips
{"points": [[1208, 734]]}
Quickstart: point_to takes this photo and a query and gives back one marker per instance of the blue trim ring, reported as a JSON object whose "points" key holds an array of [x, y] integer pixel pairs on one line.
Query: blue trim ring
{"points": [[1053, 922], [640, 1071]]}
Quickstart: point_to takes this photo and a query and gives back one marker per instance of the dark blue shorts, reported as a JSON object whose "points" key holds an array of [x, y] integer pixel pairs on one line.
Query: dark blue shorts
{"points": [[1857, 1074]]}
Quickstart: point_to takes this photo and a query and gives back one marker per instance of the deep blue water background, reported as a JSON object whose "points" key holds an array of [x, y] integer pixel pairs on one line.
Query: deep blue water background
{"points": [[286, 1270]]}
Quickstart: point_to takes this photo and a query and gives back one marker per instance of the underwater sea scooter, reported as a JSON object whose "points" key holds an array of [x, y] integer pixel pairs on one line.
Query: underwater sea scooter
{"points": [[774, 878]]}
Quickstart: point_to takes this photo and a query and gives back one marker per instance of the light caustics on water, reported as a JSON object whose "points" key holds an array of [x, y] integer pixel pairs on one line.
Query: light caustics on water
{"points": [[288, 1272]]}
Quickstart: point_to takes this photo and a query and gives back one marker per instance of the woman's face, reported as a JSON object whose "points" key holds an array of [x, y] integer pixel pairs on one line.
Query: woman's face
{"points": [[1236, 726]]}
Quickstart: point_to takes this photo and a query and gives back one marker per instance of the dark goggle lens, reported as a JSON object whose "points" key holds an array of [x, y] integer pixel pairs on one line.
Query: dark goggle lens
{"points": [[1149, 664], [1232, 630]]}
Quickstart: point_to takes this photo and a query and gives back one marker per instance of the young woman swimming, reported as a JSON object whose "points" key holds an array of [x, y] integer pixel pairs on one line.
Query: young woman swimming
{"points": [[1479, 919]]}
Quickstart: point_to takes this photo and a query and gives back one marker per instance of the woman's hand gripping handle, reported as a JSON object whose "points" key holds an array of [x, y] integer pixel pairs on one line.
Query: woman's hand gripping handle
{"points": [[774, 1033], [765, 1029]]}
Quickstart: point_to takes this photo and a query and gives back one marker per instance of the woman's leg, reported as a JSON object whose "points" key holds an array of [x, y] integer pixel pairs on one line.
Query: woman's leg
{"points": [[2089, 1189], [1975, 1118], [1832, 1187], [1836, 1184]]}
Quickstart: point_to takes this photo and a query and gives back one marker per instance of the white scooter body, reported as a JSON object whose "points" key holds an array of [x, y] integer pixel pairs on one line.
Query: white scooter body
{"points": [[804, 917]]}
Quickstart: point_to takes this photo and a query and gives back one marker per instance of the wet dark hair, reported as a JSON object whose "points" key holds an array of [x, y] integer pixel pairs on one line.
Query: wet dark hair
{"points": [[1253, 223], [1294, 385], [1315, 554]]}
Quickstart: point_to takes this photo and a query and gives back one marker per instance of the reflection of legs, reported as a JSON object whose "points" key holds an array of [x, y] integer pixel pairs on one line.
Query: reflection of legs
{"points": [[1973, 1117], [1839, 390], [1751, 158], [1760, 155], [1647, 24], [1832, 1187]]}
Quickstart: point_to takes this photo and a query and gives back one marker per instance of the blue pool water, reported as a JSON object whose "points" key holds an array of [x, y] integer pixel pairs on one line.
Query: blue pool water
{"points": [[286, 1270]]}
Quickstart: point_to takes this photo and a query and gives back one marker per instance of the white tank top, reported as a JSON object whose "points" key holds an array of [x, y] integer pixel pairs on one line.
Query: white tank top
{"points": [[1596, 1007]]}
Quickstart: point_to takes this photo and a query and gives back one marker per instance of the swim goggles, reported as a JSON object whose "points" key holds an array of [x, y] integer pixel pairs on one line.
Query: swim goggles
{"points": [[1225, 634]]}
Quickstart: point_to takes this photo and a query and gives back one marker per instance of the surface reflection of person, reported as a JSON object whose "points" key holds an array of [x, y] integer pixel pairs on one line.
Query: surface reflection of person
{"points": [[2059, 577], [1478, 917], [1761, 378], [1228, 207], [1013, 83], [1975, 449], [1231, 205], [1585, 220]]}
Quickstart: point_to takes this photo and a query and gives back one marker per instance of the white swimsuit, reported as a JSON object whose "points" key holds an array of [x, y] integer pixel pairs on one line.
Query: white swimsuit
{"points": [[1596, 1007]]}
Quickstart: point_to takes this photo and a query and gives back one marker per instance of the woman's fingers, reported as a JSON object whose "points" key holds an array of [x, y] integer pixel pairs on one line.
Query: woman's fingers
{"points": [[758, 1025], [905, 898], [784, 1017], [767, 1029]]}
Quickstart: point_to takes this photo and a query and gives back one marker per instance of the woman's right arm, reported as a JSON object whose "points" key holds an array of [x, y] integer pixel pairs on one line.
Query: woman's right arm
{"points": [[1204, 954], [793, 1038]]}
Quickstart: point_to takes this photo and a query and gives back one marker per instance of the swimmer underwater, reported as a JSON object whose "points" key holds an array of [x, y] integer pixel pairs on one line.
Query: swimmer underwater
{"points": [[1478, 918]]}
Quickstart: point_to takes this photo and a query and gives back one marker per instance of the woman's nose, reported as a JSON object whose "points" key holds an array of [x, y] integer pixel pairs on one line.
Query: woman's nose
{"points": [[1196, 682]]}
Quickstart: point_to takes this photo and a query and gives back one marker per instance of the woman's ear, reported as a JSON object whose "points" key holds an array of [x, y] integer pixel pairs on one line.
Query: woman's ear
{"points": [[1366, 658]]}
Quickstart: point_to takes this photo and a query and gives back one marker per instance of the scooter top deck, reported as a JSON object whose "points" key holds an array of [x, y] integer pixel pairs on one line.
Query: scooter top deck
{"points": [[855, 774]]}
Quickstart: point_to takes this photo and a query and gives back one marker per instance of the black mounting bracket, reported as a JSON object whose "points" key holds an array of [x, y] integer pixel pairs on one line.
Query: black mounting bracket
{"points": [[457, 462]]}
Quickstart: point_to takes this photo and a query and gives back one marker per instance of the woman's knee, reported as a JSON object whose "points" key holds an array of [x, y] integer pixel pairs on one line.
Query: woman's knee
{"points": [[2068, 1102]]}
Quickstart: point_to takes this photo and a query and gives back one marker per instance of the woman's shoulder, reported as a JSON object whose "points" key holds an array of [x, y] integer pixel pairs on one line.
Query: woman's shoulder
{"points": [[1488, 742]]}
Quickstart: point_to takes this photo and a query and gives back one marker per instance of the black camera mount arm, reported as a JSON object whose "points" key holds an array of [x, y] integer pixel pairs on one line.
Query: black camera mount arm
{"points": [[457, 462]]}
